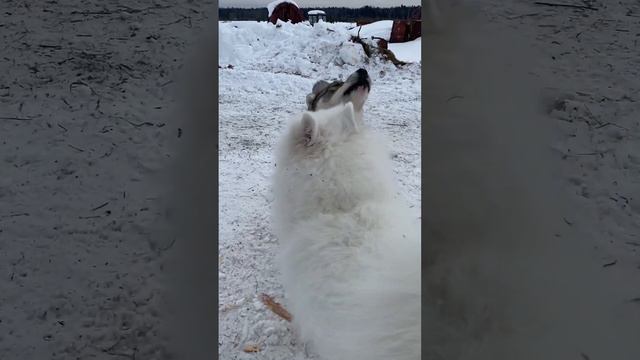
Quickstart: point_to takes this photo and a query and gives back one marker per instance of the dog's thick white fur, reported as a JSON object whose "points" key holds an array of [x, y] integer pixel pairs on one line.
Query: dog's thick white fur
{"points": [[350, 248]]}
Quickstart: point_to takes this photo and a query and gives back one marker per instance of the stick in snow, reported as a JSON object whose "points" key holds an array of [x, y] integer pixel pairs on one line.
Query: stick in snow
{"points": [[583, 7], [14, 118], [275, 307]]}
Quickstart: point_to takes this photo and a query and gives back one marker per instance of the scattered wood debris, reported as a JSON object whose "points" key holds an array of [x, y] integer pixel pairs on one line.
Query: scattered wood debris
{"points": [[275, 307], [251, 348], [370, 49], [610, 263], [581, 7]]}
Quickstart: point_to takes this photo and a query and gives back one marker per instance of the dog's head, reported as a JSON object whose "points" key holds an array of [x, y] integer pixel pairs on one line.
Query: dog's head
{"points": [[355, 89]]}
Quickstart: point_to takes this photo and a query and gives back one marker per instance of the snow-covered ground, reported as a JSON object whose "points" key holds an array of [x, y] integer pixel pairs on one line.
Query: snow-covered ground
{"points": [[272, 71], [84, 89], [587, 61], [410, 51], [531, 182]]}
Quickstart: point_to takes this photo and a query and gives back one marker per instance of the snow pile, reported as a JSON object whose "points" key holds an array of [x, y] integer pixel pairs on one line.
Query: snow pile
{"points": [[409, 51], [300, 48], [291, 48], [351, 53], [227, 53], [378, 29], [272, 5]]}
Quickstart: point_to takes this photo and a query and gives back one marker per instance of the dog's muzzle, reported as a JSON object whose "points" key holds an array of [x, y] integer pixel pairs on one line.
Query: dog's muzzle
{"points": [[358, 79]]}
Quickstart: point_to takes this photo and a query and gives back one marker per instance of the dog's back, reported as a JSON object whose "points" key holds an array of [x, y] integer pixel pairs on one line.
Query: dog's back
{"points": [[350, 250]]}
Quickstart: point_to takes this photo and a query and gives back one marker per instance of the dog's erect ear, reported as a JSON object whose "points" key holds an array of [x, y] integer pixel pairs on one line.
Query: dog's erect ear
{"points": [[310, 98], [309, 129], [349, 118], [318, 86]]}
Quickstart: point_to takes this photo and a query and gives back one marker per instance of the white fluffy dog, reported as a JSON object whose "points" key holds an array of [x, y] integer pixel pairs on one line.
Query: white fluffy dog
{"points": [[350, 248]]}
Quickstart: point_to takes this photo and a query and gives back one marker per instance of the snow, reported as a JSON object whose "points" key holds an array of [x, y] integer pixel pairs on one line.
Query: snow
{"points": [[410, 51], [272, 5], [316, 12], [380, 29], [351, 53], [274, 70], [531, 162], [293, 48], [407, 52], [84, 91], [592, 84]]}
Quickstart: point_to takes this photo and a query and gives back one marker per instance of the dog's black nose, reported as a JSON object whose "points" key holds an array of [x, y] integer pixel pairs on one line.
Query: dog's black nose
{"points": [[362, 72]]}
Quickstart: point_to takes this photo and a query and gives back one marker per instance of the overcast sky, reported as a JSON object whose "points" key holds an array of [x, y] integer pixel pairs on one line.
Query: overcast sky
{"points": [[322, 3]]}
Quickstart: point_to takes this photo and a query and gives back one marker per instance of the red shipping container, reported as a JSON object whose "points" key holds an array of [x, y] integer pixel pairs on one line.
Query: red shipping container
{"points": [[405, 30]]}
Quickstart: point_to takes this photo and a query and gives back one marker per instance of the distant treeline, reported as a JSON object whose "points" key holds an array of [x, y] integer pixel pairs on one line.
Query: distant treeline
{"points": [[340, 14]]}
